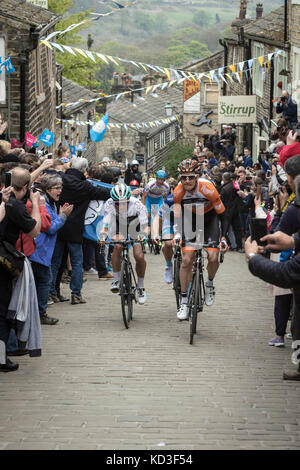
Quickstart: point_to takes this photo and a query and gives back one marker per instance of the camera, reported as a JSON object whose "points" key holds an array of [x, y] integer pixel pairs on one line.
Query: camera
{"points": [[283, 99], [295, 127]]}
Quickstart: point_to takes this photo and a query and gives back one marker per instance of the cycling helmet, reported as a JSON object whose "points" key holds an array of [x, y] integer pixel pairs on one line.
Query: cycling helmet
{"points": [[161, 174], [134, 183], [189, 166], [120, 192], [134, 162]]}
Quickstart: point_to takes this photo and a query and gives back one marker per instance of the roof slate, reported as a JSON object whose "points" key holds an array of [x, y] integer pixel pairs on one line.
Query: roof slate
{"points": [[270, 26], [151, 109], [25, 13], [71, 92]]}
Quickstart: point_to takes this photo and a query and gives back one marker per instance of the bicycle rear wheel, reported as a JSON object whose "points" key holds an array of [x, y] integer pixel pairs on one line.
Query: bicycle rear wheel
{"points": [[176, 281], [126, 294], [194, 301]]}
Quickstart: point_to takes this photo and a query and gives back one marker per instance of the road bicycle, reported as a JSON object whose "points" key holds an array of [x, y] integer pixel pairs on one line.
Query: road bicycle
{"points": [[196, 296], [128, 284], [176, 270]]}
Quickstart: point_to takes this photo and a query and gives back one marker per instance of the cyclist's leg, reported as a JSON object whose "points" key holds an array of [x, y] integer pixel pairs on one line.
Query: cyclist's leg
{"points": [[211, 233], [188, 255], [116, 267], [140, 267]]}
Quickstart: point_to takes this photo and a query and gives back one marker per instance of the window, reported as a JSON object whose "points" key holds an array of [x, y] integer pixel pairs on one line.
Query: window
{"points": [[50, 64], [40, 95], [211, 93], [162, 139], [257, 76], [296, 77], [280, 63], [172, 133], [3, 74]]}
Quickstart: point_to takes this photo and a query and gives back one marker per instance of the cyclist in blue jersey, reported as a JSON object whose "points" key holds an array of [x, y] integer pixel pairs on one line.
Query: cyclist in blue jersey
{"points": [[163, 223], [155, 192]]}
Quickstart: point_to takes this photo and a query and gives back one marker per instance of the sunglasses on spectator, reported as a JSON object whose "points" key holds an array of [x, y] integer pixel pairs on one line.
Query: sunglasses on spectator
{"points": [[188, 177]]}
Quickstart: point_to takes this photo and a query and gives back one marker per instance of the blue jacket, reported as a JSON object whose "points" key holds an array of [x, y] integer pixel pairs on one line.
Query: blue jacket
{"points": [[248, 162], [45, 242], [289, 110]]}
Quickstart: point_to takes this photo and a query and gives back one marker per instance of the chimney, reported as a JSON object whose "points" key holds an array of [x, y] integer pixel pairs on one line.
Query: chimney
{"points": [[123, 77], [116, 78], [259, 10], [243, 9]]}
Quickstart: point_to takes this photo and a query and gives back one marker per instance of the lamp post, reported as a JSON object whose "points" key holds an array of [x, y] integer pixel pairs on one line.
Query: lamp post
{"points": [[169, 109]]}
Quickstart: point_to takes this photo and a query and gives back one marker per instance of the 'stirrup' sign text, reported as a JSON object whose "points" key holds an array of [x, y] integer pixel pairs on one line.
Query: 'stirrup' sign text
{"points": [[237, 109]]}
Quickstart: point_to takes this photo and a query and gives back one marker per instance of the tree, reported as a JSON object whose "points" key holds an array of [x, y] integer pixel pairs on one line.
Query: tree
{"points": [[77, 68], [201, 18], [177, 151]]}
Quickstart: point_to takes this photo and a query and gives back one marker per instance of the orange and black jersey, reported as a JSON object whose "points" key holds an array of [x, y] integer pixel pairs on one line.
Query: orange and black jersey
{"points": [[205, 193]]}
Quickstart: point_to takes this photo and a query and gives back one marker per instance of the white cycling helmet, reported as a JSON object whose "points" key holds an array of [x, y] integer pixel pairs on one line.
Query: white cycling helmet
{"points": [[134, 162], [120, 192]]}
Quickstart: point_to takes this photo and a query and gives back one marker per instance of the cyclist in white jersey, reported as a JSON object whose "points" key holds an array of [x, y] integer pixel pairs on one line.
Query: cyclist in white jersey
{"points": [[125, 217]]}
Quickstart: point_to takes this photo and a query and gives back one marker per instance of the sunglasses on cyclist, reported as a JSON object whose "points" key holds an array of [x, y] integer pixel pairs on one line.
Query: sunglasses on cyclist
{"points": [[188, 177]]}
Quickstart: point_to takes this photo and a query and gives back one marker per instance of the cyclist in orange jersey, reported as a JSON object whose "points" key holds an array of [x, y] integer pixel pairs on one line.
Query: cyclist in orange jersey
{"points": [[197, 209]]}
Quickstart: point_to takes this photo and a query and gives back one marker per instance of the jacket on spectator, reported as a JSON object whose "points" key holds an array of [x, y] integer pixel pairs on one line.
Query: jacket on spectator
{"points": [[247, 161], [230, 199], [289, 110], [132, 175], [45, 242], [79, 192], [28, 242]]}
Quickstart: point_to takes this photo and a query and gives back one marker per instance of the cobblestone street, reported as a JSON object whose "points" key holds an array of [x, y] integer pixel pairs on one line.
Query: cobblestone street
{"points": [[100, 386]]}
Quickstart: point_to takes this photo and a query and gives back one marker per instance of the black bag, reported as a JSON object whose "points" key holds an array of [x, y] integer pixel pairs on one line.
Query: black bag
{"points": [[10, 258]]}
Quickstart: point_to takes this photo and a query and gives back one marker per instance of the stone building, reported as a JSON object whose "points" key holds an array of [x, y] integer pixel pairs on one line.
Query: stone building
{"points": [[124, 140], [294, 39], [72, 120], [266, 35], [202, 101], [28, 95]]}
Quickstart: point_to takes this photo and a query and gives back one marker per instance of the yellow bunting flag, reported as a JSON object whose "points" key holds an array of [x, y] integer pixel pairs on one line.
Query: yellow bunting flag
{"points": [[191, 75], [172, 82], [167, 73], [232, 68], [148, 89], [47, 43], [227, 75], [261, 60], [80, 51], [112, 59]]}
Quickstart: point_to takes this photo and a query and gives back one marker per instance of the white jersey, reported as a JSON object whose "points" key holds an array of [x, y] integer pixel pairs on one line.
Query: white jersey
{"points": [[128, 221], [155, 191]]}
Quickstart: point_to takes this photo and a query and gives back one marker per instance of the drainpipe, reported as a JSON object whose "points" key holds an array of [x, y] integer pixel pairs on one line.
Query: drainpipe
{"points": [[272, 88], [285, 21], [223, 44], [22, 98]]}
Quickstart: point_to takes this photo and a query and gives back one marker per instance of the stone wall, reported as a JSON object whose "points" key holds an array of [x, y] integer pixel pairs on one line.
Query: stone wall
{"points": [[39, 114]]}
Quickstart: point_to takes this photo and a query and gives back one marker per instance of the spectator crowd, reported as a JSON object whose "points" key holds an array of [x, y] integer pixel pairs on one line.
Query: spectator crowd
{"points": [[45, 202]]}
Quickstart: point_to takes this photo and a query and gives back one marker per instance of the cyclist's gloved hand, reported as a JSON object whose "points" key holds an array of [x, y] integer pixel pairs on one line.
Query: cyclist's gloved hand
{"points": [[156, 240], [102, 238], [223, 246], [177, 239], [142, 237]]}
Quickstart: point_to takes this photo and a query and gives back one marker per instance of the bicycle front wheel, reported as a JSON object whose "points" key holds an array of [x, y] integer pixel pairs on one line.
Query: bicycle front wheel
{"points": [[126, 294], [176, 281], [194, 299]]}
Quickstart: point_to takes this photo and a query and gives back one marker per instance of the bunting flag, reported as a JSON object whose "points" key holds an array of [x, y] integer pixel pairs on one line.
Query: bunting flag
{"points": [[30, 139], [232, 68], [126, 125], [7, 64], [46, 138], [98, 130]]}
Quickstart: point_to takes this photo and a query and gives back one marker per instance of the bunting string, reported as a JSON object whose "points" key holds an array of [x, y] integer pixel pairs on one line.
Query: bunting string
{"points": [[180, 75], [125, 125], [95, 17], [152, 89]]}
